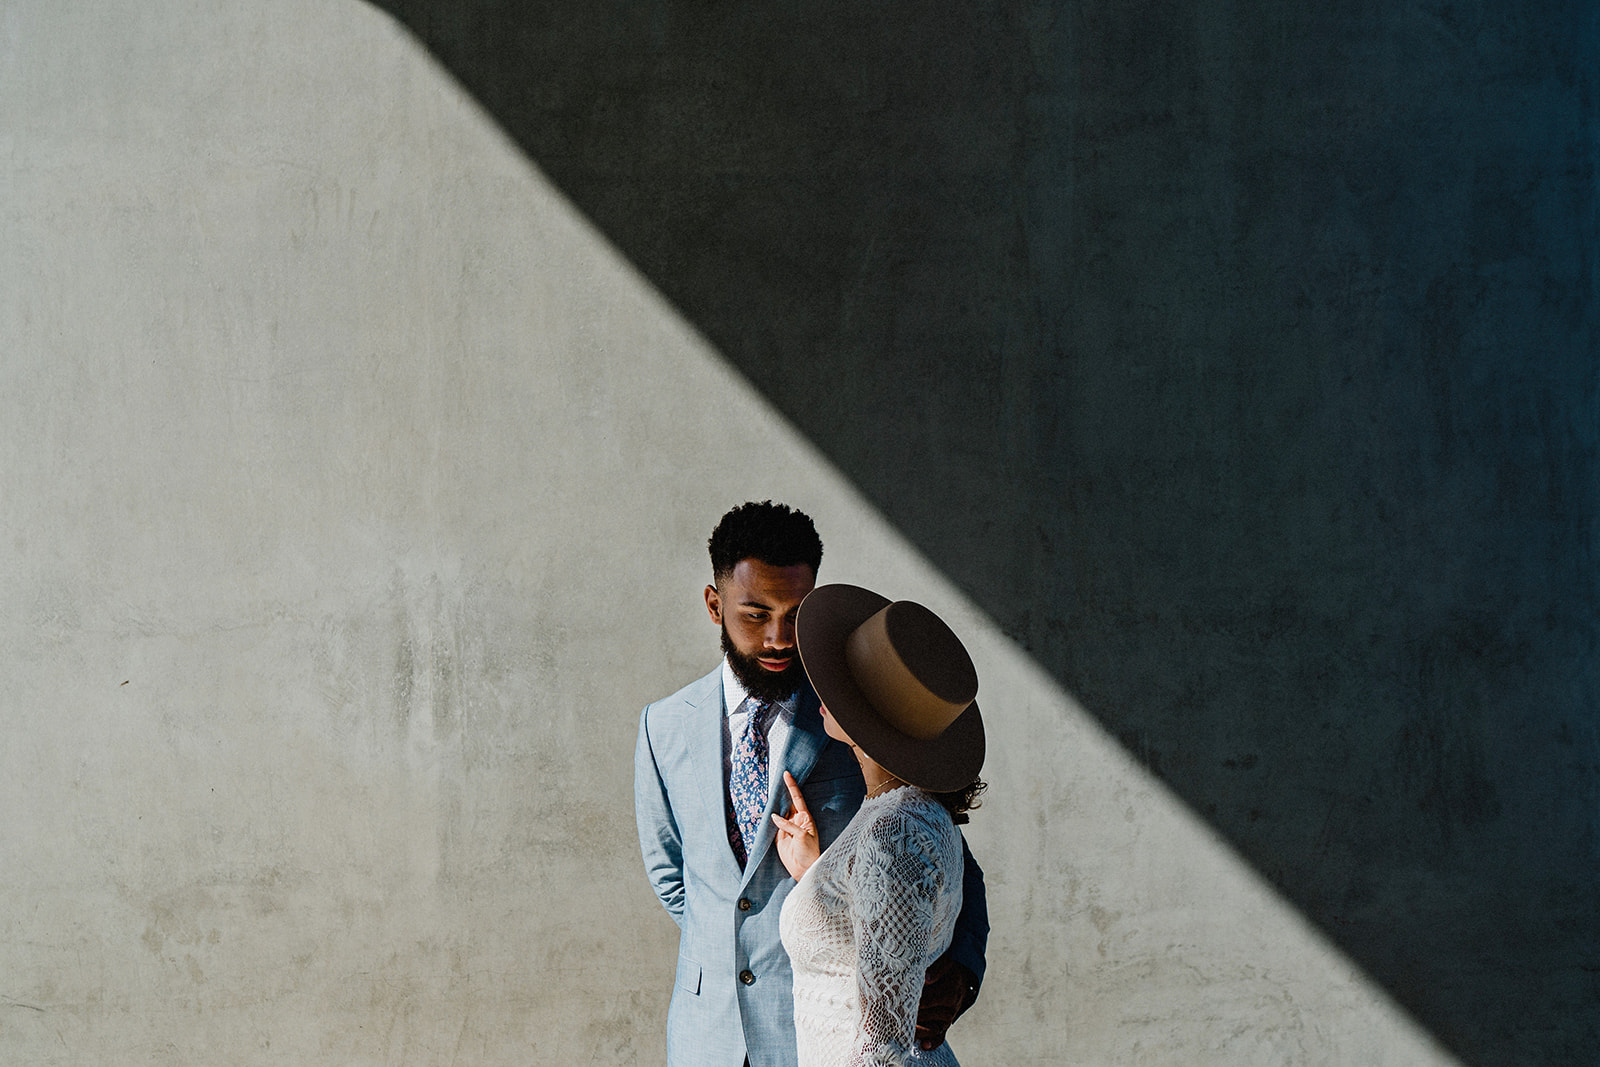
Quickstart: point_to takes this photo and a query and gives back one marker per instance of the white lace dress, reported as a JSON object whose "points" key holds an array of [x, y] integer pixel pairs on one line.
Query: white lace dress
{"points": [[862, 926]]}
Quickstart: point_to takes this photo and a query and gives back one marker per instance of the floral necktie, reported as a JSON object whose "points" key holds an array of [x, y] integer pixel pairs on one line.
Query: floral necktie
{"points": [[747, 780]]}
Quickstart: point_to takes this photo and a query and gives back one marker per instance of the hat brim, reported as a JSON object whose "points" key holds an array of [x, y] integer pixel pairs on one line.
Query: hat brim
{"points": [[942, 764]]}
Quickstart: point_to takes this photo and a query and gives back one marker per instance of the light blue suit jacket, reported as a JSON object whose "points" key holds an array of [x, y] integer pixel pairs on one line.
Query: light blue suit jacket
{"points": [[733, 996]]}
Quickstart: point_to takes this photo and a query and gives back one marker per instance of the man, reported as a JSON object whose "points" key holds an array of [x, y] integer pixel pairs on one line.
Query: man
{"points": [[708, 774]]}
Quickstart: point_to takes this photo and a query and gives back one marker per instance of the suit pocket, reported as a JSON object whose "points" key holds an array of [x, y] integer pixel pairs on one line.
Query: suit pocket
{"points": [[688, 975]]}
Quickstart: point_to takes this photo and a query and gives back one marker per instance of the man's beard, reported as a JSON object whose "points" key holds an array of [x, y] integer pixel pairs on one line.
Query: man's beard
{"points": [[756, 679]]}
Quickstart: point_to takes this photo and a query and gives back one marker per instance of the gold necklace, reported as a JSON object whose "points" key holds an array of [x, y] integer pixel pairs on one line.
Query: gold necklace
{"points": [[884, 786]]}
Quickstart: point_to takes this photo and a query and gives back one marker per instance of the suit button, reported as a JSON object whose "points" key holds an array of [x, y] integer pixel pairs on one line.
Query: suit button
{"points": [[744, 903], [747, 978]]}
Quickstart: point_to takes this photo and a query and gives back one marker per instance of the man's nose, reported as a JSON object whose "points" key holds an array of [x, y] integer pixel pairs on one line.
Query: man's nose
{"points": [[780, 633]]}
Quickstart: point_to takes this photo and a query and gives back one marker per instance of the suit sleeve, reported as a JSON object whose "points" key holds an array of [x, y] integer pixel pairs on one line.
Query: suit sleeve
{"points": [[659, 839], [972, 925]]}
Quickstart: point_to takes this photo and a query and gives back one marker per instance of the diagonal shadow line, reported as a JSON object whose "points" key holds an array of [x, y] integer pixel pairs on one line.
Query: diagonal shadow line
{"points": [[1238, 362]]}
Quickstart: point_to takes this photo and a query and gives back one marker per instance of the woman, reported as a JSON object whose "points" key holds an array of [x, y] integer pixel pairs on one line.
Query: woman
{"points": [[870, 914]]}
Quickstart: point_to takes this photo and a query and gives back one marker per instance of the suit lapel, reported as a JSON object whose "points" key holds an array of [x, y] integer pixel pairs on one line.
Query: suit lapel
{"points": [[706, 757], [806, 741]]}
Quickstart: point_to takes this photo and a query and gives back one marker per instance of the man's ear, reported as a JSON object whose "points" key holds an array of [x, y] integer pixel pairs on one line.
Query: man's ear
{"points": [[714, 604]]}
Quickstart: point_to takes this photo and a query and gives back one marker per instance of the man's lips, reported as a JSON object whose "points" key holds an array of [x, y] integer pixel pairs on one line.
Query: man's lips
{"points": [[775, 665]]}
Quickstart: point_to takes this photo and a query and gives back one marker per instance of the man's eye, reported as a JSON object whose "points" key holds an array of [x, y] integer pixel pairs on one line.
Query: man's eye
{"points": [[754, 616]]}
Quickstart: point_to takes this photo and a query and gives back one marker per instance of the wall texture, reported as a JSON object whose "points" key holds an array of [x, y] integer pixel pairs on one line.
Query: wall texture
{"points": [[355, 473], [1238, 358]]}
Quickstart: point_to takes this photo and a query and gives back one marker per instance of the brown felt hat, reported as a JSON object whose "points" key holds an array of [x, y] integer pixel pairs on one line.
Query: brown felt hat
{"points": [[899, 682]]}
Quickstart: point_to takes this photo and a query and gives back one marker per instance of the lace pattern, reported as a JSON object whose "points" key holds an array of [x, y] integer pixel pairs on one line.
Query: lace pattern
{"points": [[862, 927]]}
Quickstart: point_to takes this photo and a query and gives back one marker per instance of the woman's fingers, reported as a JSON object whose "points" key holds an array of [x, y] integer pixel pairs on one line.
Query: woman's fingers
{"points": [[795, 794], [792, 827], [796, 841]]}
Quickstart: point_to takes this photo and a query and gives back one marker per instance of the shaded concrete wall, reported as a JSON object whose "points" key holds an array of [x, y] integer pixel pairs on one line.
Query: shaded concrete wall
{"points": [[354, 490]]}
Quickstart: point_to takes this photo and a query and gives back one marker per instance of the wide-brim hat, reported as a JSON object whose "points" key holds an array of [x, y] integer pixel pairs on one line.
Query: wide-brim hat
{"points": [[898, 680]]}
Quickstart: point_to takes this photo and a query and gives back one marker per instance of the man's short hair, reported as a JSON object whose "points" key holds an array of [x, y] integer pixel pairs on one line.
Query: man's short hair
{"points": [[775, 534]]}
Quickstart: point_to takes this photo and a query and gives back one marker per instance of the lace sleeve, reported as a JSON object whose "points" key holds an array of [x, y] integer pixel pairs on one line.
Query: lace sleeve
{"points": [[896, 885]]}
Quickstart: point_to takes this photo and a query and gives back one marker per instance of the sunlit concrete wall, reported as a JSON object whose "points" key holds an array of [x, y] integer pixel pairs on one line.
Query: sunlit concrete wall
{"points": [[353, 496]]}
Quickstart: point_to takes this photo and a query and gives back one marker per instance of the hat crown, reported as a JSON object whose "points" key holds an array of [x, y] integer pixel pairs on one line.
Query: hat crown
{"points": [[912, 669], [931, 651]]}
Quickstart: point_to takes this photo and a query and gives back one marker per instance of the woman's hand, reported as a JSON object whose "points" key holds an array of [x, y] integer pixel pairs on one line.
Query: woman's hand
{"points": [[797, 842]]}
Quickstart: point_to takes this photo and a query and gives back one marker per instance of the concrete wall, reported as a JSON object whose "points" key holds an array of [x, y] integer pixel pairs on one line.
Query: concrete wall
{"points": [[354, 489], [1237, 358]]}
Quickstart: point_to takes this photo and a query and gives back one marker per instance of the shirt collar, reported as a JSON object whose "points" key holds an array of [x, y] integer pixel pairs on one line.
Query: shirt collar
{"points": [[733, 690]]}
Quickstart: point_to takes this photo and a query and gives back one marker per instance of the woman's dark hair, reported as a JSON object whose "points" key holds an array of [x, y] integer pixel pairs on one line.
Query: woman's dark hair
{"points": [[960, 801]]}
